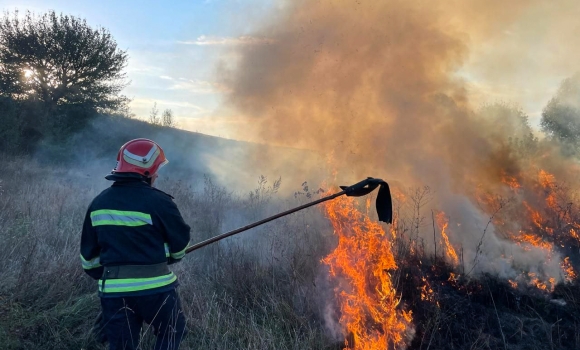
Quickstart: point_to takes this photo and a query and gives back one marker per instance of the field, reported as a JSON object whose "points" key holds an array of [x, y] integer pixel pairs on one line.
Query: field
{"points": [[478, 143], [255, 292], [265, 289]]}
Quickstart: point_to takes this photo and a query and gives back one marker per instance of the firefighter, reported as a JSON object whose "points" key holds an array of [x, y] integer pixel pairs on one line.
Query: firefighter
{"points": [[131, 233]]}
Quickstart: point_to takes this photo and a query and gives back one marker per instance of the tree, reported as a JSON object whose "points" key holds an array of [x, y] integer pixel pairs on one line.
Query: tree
{"points": [[168, 119], [561, 116], [10, 125], [60, 60], [154, 115], [508, 123]]}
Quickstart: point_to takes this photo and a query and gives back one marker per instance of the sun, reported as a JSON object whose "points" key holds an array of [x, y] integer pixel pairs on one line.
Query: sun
{"points": [[28, 73]]}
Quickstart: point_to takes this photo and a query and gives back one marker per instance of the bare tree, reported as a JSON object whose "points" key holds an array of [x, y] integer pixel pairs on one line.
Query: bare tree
{"points": [[154, 115], [168, 119]]}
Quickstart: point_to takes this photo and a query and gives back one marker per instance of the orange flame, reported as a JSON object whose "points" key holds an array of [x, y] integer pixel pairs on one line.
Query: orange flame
{"points": [[453, 277], [547, 180], [535, 241], [426, 291], [532, 229], [536, 216], [511, 181], [364, 260], [569, 272], [574, 234], [542, 285], [443, 223]]}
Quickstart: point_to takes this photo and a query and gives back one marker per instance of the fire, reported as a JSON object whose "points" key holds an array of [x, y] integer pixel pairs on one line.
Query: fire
{"points": [[551, 201], [511, 181], [426, 290], [393, 229], [452, 277], [443, 223], [547, 180], [535, 215], [533, 218], [535, 241], [574, 234], [548, 285], [568, 270], [364, 260]]}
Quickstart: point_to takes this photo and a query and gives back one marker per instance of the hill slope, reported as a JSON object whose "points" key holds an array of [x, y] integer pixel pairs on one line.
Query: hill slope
{"points": [[191, 154]]}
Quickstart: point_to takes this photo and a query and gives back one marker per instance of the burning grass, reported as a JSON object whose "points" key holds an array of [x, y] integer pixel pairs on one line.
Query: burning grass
{"points": [[364, 260], [487, 312], [401, 290]]}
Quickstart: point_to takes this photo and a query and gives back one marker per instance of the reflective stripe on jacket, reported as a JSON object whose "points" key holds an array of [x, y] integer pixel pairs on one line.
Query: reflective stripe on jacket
{"points": [[132, 223], [124, 285]]}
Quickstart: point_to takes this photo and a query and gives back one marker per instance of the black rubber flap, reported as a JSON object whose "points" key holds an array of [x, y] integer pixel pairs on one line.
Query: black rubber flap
{"points": [[384, 203]]}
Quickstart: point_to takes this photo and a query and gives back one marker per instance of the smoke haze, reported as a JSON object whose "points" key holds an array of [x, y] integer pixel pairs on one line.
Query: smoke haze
{"points": [[393, 89]]}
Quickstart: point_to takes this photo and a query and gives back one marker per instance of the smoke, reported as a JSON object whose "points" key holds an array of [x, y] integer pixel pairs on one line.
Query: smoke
{"points": [[393, 89], [373, 82]]}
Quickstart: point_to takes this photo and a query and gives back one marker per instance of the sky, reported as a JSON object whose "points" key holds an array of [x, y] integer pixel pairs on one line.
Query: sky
{"points": [[174, 48]]}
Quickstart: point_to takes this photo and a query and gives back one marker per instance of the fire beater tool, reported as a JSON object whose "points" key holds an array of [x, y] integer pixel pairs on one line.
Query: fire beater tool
{"points": [[384, 210], [383, 204]]}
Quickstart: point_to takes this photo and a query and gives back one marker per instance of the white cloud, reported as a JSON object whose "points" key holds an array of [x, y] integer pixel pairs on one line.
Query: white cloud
{"points": [[139, 67], [150, 62], [219, 40], [195, 86], [199, 87]]}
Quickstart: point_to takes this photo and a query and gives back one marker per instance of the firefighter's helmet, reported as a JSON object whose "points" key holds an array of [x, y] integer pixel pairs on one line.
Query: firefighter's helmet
{"points": [[140, 156]]}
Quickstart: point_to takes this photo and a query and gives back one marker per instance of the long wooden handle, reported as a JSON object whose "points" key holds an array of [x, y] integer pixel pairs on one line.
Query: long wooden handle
{"points": [[258, 223]]}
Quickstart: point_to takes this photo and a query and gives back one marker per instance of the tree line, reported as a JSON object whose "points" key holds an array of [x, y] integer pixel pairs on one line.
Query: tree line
{"points": [[166, 119]]}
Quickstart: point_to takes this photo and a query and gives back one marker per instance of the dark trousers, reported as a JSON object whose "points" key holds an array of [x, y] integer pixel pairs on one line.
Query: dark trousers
{"points": [[124, 316]]}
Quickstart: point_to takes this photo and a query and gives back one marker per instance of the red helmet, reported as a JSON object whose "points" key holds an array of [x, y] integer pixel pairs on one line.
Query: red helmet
{"points": [[140, 156]]}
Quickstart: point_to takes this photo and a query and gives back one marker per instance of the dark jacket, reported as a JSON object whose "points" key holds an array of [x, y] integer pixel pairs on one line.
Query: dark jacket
{"points": [[132, 223]]}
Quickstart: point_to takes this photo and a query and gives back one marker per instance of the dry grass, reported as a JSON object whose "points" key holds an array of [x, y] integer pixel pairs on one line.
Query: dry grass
{"points": [[263, 289], [256, 291]]}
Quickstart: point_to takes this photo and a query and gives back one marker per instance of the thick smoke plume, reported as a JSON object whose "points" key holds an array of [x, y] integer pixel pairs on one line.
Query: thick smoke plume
{"points": [[383, 87], [374, 82]]}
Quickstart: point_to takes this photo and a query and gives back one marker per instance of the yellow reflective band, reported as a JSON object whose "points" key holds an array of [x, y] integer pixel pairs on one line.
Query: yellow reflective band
{"points": [[179, 255], [136, 284], [119, 218], [90, 264]]}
